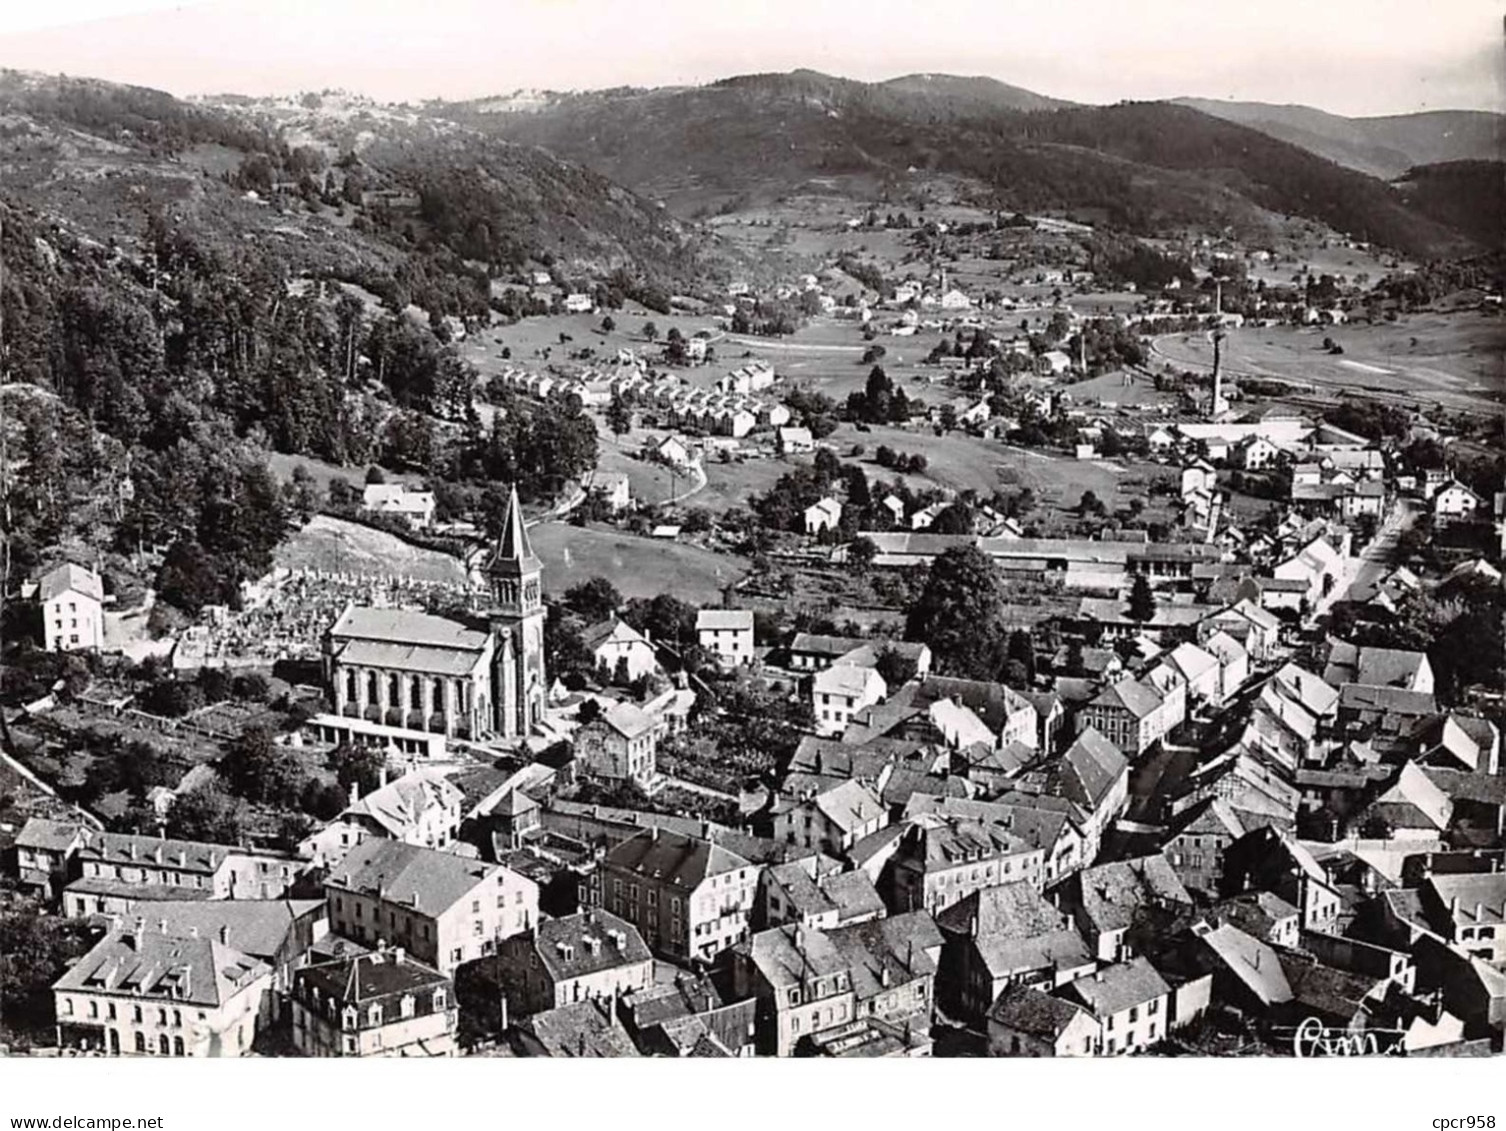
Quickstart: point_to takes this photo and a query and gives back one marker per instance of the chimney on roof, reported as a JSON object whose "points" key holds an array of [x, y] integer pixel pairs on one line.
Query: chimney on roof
{"points": [[580, 1045], [382, 776], [398, 954], [157, 852], [224, 934], [131, 849], [162, 926], [355, 793], [182, 859], [1479, 912]]}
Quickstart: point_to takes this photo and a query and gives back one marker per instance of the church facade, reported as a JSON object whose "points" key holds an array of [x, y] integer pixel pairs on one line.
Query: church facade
{"points": [[418, 672]]}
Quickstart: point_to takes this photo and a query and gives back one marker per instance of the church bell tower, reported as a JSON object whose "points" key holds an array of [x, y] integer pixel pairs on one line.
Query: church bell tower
{"points": [[514, 577]]}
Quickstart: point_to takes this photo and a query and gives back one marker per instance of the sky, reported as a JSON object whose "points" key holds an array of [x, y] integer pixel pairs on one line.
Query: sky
{"points": [[1354, 57]]}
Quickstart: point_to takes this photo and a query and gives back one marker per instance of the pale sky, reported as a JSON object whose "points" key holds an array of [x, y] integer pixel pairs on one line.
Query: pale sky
{"points": [[1352, 57]]}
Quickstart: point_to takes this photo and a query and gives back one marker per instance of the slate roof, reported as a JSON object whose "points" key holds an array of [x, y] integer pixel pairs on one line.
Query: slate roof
{"points": [[1026, 1009], [1481, 896], [581, 1029], [1251, 961], [257, 927], [1415, 801], [723, 619], [371, 978], [1131, 695], [44, 835], [116, 848], [402, 626], [674, 858], [164, 967], [1112, 893], [1116, 988], [70, 578], [993, 703], [848, 681], [427, 881], [583, 944], [849, 806], [398, 806], [1090, 769]]}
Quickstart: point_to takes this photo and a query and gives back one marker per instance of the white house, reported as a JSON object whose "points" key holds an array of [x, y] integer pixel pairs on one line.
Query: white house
{"points": [[1199, 668], [612, 642], [1257, 452], [822, 515], [616, 490], [1233, 663], [841, 691], [672, 450], [579, 303], [1055, 362], [1455, 502], [72, 600], [399, 501], [794, 441], [727, 634]]}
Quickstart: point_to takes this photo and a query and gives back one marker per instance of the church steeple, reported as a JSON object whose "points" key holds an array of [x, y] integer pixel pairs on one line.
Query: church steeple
{"points": [[513, 570]]}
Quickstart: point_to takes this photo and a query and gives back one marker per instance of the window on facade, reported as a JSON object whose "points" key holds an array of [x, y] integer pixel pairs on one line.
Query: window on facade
{"points": [[1134, 1014], [141, 1042]]}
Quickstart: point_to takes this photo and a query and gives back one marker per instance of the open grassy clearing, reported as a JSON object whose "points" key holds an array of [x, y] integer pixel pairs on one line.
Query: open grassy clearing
{"points": [[638, 567], [1452, 358]]}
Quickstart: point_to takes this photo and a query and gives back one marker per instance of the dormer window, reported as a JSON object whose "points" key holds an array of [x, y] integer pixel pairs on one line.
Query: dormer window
{"points": [[374, 1015], [407, 1005]]}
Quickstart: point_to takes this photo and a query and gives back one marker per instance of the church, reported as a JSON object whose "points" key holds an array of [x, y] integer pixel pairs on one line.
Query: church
{"points": [[417, 672]]}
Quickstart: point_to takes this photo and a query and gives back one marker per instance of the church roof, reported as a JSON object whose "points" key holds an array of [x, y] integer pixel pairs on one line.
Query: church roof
{"points": [[514, 554]]}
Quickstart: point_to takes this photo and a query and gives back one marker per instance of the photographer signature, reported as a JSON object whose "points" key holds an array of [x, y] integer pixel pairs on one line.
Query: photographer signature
{"points": [[1313, 1038]]}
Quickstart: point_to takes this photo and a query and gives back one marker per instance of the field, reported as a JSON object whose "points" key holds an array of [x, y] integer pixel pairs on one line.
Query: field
{"points": [[1454, 360], [348, 547], [282, 466], [639, 567]]}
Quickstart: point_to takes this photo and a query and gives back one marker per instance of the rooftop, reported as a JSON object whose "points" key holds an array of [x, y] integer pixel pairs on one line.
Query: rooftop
{"points": [[427, 881]]}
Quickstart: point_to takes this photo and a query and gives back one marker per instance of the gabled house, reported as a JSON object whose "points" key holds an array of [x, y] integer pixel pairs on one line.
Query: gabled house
{"points": [[72, 602], [1129, 1000], [1026, 1021], [727, 634], [1003, 936], [689, 897], [618, 649], [833, 820], [590, 956], [382, 1003], [1115, 904]]}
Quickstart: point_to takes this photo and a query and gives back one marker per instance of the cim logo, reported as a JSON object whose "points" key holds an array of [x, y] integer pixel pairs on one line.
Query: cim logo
{"points": [[1312, 1038]]}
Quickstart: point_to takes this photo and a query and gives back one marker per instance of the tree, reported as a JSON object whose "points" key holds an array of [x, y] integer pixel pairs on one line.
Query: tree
{"points": [[1142, 602], [205, 812], [260, 770], [608, 324], [1091, 504], [35, 949], [594, 600], [360, 766], [959, 614], [861, 553], [650, 331], [1022, 652], [619, 416], [895, 667]]}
